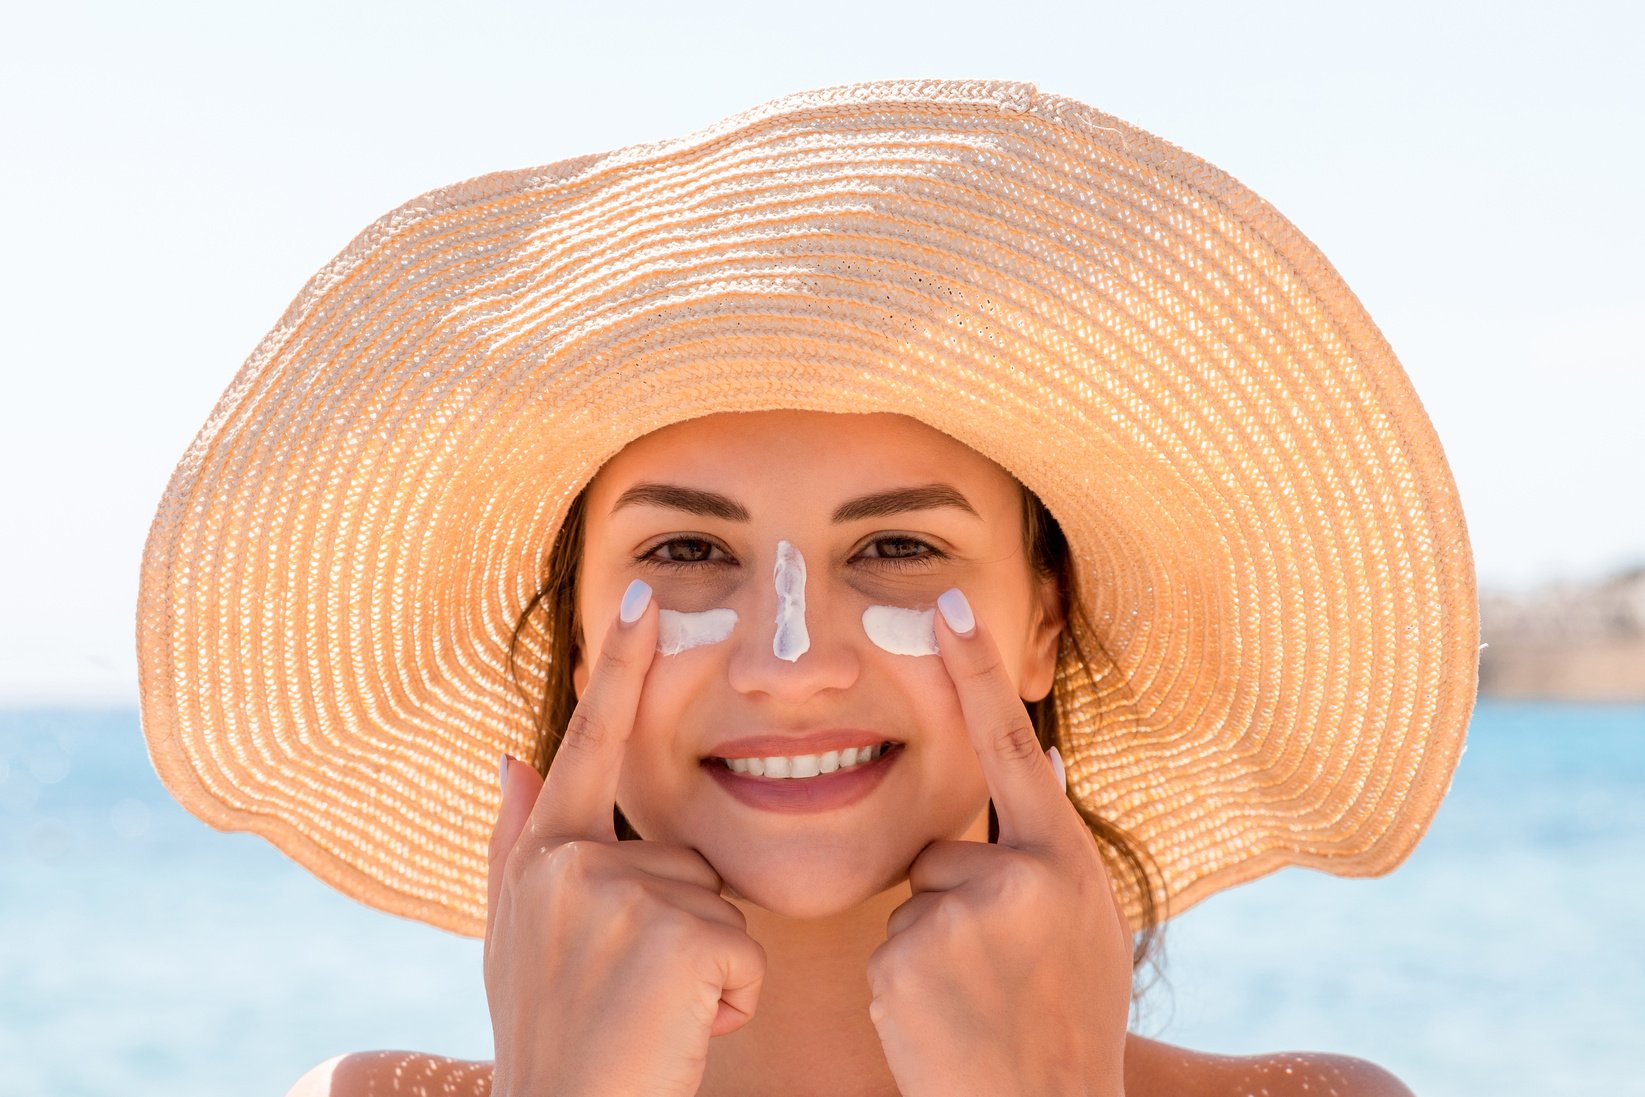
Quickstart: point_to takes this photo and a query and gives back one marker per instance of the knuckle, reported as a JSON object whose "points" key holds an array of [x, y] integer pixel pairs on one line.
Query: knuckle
{"points": [[674, 932], [1014, 738], [948, 919], [885, 968], [894, 970], [702, 1010], [616, 658], [624, 893], [960, 928], [570, 864], [985, 670], [1017, 881], [498, 847], [514, 872], [586, 730]]}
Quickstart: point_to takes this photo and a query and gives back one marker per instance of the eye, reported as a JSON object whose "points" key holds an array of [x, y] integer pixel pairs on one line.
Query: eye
{"points": [[681, 553], [898, 550]]}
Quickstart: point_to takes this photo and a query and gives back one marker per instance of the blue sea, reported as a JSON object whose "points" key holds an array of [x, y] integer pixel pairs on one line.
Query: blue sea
{"points": [[142, 952]]}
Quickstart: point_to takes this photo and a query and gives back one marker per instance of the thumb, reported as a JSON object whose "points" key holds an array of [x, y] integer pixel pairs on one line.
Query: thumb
{"points": [[521, 784]]}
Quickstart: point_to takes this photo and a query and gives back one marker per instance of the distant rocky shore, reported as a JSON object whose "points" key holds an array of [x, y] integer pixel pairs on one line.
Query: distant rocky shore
{"points": [[1566, 642]]}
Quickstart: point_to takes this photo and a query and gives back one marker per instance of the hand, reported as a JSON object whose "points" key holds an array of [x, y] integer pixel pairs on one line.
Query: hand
{"points": [[608, 965], [1009, 969]]}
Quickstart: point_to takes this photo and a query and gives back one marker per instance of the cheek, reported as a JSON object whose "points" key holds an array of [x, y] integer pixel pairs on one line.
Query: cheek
{"points": [[921, 688], [957, 793], [661, 759], [899, 631]]}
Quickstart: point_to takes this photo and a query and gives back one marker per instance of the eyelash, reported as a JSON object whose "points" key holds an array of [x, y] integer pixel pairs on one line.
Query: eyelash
{"points": [[926, 559]]}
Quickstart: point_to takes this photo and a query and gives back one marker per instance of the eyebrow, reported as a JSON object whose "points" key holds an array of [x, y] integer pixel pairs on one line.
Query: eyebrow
{"points": [[882, 504], [711, 504], [691, 500]]}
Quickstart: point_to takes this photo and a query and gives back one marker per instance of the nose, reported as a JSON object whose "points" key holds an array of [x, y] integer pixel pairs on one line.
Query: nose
{"points": [[789, 617]]}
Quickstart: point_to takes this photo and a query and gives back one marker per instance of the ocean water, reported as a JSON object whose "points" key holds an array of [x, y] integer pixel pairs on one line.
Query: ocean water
{"points": [[143, 953]]}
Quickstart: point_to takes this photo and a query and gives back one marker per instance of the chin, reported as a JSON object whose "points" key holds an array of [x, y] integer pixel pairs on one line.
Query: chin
{"points": [[803, 876], [812, 879], [808, 895], [810, 870]]}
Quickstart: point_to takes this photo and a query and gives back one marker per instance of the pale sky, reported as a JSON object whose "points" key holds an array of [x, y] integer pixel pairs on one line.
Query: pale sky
{"points": [[174, 172]]}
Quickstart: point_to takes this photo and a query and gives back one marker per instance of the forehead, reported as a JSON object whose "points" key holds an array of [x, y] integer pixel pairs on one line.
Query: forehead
{"points": [[758, 455]]}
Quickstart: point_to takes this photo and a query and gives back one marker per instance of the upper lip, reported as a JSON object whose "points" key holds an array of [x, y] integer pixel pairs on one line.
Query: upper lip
{"points": [[795, 743]]}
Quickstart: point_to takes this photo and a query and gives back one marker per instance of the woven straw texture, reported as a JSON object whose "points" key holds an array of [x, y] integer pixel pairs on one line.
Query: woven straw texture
{"points": [[1268, 539]]}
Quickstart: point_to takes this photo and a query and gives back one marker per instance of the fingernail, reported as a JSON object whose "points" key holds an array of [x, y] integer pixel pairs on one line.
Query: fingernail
{"points": [[502, 772], [1056, 764], [635, 599], [957, 611]]}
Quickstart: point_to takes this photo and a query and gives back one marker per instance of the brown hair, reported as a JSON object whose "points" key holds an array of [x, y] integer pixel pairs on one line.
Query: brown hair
{"points": [[1048, 555]]}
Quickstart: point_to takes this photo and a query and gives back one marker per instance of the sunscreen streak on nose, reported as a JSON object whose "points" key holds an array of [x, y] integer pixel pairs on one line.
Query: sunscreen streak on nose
{"points": [[901, 631], [791, 640], [677, 631]]}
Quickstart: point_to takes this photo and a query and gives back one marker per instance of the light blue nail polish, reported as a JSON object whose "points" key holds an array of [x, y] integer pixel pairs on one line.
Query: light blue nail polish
{"points": [[635, 599], [957, 611], [502, 771], [1056, 765]]}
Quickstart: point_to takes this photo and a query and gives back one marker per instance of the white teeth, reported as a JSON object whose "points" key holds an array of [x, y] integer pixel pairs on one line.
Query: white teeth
{"points": [[801, 766]]}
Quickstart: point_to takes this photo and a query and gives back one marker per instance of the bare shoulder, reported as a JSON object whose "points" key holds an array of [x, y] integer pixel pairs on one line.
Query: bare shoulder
{"points": [[1154, 1069], [395, 1074]]}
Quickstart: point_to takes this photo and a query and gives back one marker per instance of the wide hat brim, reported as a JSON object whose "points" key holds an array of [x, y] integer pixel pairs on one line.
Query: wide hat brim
{"points": [[1268, 541]]}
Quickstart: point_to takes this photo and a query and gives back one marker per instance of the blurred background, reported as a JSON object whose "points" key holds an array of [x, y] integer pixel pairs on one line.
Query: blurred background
{"points": [[176, 171]]}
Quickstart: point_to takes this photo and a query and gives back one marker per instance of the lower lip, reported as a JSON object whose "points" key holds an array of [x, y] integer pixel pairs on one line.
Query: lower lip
{"points": [[800, 796]]}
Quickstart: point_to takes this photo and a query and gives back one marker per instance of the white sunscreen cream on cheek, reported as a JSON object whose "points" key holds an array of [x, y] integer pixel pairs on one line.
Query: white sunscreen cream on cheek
{"points": [[791, 640], [901, 631], [677, 632]]}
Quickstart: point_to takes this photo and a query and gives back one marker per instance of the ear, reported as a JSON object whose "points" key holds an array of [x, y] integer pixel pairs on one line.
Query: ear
{"points": [[1039, 656], [579, 671]]}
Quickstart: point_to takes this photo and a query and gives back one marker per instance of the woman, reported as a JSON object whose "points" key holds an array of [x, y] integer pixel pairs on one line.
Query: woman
{"points": [[789, 487]]}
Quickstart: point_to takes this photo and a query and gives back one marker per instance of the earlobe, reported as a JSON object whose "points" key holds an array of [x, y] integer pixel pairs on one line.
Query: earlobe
{"points": [[1039, 657], [579, 672]]}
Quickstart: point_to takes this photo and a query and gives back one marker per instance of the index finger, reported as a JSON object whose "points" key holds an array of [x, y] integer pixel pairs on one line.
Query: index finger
{"points": [[581, 787], [1029, 800]]}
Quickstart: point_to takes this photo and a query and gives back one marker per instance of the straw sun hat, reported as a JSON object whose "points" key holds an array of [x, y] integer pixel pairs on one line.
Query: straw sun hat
{"points": [[1267, 537]]}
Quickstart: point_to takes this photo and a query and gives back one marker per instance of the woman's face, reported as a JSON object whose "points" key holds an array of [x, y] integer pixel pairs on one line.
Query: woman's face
{"points": [[883, 511]]}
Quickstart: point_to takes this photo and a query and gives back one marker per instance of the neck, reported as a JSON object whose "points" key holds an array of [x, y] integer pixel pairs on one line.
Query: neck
{"points": [[810, 1034]]}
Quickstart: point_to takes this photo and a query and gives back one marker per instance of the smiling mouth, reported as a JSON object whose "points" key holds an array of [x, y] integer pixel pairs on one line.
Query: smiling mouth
{"points": [[805, 766]]}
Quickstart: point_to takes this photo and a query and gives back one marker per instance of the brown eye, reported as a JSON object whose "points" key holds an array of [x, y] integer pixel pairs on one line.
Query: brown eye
{"points": [[893, 551], [899, 547], [687, 550], [686, 554]]}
